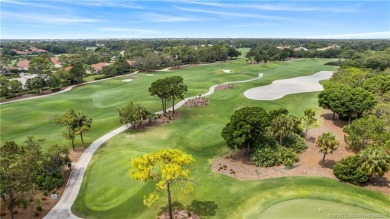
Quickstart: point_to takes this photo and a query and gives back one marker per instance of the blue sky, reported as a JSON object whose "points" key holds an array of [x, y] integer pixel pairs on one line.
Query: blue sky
{"points": [[86, 19]]}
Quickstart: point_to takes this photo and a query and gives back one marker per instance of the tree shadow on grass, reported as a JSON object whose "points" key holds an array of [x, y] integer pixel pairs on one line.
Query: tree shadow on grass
{"points": [[201, 208]]}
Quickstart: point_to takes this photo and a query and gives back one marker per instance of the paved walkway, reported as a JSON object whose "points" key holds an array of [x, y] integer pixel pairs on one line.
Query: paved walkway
{"points": [[62, 209]]}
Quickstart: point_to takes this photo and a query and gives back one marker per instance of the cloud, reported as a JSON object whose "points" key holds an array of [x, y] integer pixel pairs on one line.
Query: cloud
{"points": [[251, 25], [111, 4], [234, 14], [280, 7], [161, 18], [134, 30], [49, 19], [384, 34], [30, 4]]}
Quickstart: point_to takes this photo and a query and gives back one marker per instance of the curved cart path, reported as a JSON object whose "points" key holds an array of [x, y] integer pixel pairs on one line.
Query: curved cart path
{"points": [[63, 207]]}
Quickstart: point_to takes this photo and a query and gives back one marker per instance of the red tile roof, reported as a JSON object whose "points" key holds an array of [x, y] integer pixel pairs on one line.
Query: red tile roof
{"points": [[131, 62], [55, 61], [23, 63], [99, 66], [68, 68]]}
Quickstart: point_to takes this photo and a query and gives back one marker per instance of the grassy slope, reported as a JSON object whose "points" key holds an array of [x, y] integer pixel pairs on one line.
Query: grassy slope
{"points": [[108, 191]]}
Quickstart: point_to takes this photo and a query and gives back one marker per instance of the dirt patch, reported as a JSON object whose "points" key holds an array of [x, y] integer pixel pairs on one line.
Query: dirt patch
{"points": [[47, 202], [310, 162], [183, 214]]}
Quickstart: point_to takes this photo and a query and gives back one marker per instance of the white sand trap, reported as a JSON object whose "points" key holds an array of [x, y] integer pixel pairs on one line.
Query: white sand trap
{"points": [[149, 74], [281, 88], [127, 80], [227, 71]]}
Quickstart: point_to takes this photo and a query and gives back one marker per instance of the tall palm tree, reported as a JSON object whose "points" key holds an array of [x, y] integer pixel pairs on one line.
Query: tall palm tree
{"points": [[327, 143], [375, 161]]}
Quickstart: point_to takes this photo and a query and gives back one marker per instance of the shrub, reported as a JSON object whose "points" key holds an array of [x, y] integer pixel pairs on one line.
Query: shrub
{"points": [[347, 170], [296, 143], [268, 156], [38, 208], [49, 182]]}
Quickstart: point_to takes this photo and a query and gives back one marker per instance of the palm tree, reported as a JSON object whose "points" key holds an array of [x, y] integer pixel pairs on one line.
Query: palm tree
{"points": [[375, 161], [327, 143]]}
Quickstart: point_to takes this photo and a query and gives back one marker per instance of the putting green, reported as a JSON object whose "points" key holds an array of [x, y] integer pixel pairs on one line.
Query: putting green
{"points": [[309, 208]]}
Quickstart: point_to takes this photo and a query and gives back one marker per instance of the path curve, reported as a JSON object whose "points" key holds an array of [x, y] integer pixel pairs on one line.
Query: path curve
{"points": [[63, 208], [66, 89]]}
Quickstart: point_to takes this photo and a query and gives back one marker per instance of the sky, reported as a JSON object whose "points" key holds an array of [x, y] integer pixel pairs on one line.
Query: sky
{"points": [[107, 19]]}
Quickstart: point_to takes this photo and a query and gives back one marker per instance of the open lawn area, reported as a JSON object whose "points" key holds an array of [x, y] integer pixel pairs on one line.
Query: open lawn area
{"points": [[102, 99], [108, 191]]}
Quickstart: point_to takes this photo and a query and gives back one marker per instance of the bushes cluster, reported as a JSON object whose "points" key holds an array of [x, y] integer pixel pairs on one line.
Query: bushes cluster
{"points": [[296, 143], [347, 170], [48, 182], [268, 156]]}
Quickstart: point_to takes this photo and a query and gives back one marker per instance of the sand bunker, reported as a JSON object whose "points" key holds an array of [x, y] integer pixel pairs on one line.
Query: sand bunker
{"points": [[281, 88], [127, 80], [227, 71]]}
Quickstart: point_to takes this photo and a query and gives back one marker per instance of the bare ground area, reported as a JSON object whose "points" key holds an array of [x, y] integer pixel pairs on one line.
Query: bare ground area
{"points": [[310, 162], [47, 202]]}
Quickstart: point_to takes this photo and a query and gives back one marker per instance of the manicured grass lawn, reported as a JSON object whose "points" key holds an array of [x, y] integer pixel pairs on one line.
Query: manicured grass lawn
{"points": [[109, 192], [308, 208], [101, 100]]}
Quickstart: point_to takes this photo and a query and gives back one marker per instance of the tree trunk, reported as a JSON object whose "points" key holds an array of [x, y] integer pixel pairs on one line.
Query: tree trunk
{"points": [[323, 160], [349, 120], [333, 115], [162, 103], [73, 145], [247, 149], [173, 106], [169, 202], [82, 139], [11, 205], [307, 128]]}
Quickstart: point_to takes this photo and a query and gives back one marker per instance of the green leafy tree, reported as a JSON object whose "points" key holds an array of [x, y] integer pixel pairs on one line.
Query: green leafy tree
{"points": [[41, 67], [177, 89], [19, 166], [365, 131], [247, 128], [284, 125], [68, 120], [133, 114], [327, 144], [308, 119], [347, 170], [82, 124], [159, 88], [165, 167], [77, 73], [375, 161]]}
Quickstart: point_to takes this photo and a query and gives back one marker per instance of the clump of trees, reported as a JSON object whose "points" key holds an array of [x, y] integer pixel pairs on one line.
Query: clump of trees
{"points": [[166, 168], [133, 114], [168, 89], [270, 138], [76, 123], [25, 168]]}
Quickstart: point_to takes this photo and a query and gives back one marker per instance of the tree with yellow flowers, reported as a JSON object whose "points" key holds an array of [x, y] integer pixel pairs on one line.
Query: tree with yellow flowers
{"points": [[165, 167]]}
